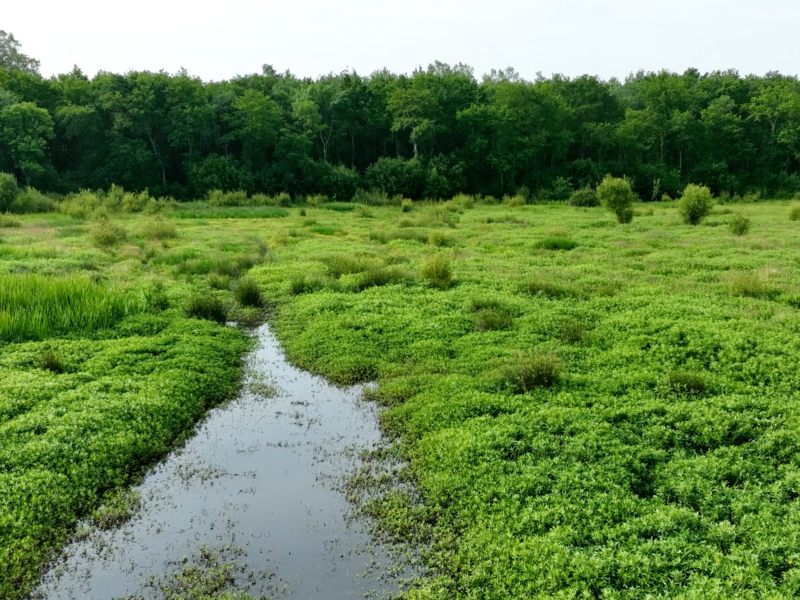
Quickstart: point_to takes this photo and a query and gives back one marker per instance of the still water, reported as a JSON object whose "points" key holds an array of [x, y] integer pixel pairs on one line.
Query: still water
{"points": [[262, 473]]}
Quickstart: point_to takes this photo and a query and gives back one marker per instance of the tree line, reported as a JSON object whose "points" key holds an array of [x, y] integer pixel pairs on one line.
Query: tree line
{"points": [[431, 134]]}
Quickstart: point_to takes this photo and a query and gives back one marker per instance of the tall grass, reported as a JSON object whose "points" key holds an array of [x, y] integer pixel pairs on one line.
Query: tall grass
{"points": [[33, 307]]}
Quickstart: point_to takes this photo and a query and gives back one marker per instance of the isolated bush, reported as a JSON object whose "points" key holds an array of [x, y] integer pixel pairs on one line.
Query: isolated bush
{"points": [[364, 212], [739, 225], [695, 203], [440, 238], [492, 320], [206, 307], [749, 285], [9, 190], [437, 271], [316, 200], [247, 292], [158, 229], [50, 360], [556, 243], [526, 372], [104, 234], [584, 197], [406, 205], [218, 282], [10, 222], [463, 200], [794, 213], [572, 331], [514, 200], [685, 382], [615, 195], [666, 197]]}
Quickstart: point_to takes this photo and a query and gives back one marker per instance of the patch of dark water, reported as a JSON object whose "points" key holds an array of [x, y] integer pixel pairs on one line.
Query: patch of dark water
{"points": [[261, 474]]}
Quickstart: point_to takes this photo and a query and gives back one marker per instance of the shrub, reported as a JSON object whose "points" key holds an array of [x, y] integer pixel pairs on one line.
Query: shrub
{"points": [[302, 212], [7, 221], [49, 360], [406, 205], [158, 229], [615, 195], [492, 320], [440, 238], [9, 190], [517, 200], [31, 200], [220, 198], [206, 307], [794, 213], [685, 382], [218, 282], [306, 284], [556, 243], [104, 234], [374, 198], [464, 201], [437, 271], [739, 225], [364, 212], [529, 371], [316, 201], [584, 197], [247, 292], [572, 331], [666, 197], [695, 203], [749, 285], [548, 289]]}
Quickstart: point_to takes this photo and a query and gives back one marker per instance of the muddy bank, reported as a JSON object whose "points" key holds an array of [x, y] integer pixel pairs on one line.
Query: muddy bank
{"points": [[261, 474]]}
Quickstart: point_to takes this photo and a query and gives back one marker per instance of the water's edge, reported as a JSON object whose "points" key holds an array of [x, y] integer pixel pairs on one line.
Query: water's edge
{"points": [[260, 475]]}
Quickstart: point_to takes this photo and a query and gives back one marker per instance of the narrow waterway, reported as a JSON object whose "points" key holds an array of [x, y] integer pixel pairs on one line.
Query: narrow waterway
{"points": [[262, 473]]}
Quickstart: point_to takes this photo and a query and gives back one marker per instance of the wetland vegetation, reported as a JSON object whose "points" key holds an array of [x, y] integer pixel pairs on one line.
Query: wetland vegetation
{"points": [[586, 408]]}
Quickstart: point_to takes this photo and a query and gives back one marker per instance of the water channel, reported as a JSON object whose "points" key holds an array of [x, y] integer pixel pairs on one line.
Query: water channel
{"points": [[260, 474]]}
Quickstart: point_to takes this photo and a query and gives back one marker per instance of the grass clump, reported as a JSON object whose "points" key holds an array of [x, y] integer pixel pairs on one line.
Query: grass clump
{"points": [[307, 284], [364, 211], [573, 332], [406, 205], [440, 239], [437, 271], [159, 229], [794, 213], [695, 203], [528, 371], [686, 383], [749, 285], [33, 307], [104, 234], [209, 308], [247, 293], [739, 225], [218, 282], [50, 360], [556, 243], [491, 319], [478, 303], [548, 288], [9, 222]]}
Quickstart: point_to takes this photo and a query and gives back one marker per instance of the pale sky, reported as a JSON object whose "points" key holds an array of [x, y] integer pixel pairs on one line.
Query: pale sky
{"points": [[217, 40]]}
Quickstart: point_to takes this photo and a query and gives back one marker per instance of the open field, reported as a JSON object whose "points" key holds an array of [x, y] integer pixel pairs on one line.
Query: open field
{"points": [[588, 410]]}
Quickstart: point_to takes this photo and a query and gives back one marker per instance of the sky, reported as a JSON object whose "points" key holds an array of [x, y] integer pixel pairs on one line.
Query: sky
{"points": [[218, 40]]}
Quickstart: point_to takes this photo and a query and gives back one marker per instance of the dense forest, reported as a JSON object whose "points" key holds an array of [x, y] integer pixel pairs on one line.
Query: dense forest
{"points": [[430, 134]]}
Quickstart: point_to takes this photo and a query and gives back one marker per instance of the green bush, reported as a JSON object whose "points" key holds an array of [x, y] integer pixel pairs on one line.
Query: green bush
{"points": [[158, 229], [695, 203], [490, 319], [584, 197], [685, 382], [794, 213], [527, 372], [104, 234], [556, 243], [406, 205], [247, 293], [464, 201], [437, 271], [749, 285], [209, 308], [739, 225], [440, 238], [615, 195], [30, 201], [517, 200], [227, 199], [364, 212], [9, 190], [9, 222]]}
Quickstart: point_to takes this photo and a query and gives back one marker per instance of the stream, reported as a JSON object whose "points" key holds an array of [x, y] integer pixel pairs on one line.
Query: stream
{"points": [[263, 474]]}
